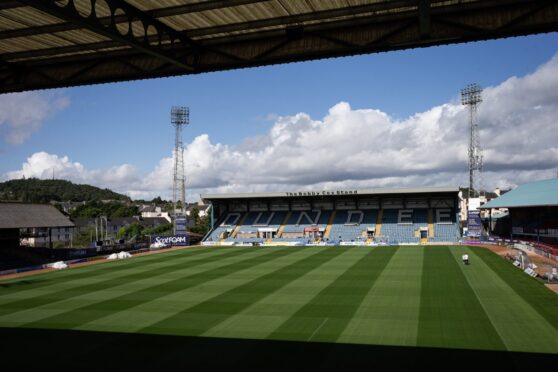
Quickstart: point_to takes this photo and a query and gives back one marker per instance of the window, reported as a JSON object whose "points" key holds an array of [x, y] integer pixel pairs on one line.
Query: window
{"points": [[443, 216], [354, 218], [405, 216], [262, 219], [231, 219], [309, 219]]}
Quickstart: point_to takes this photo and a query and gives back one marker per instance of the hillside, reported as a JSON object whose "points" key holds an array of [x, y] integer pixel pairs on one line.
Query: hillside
{"points": [[43, 191]]}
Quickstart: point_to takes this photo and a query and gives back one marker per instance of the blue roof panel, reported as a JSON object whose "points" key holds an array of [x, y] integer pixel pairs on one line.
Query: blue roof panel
{"points": [[539, 193]]}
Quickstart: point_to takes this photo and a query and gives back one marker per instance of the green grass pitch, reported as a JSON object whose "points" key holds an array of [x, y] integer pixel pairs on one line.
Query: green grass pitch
{"points": [[408, 296]]}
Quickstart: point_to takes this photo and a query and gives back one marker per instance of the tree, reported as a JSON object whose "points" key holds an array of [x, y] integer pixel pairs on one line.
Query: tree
{"points": [[125, 211], [132, 230], [201, 226], [87, 210], [163, 229], [157, 200], [84, 237], [168, 207], [43, 191], [122, 233], [110, 209], [195, 215]]}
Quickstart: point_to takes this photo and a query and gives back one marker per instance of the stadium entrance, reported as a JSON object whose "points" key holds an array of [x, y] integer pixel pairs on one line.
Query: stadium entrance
{"points": [[267, 233], [315, 233]]}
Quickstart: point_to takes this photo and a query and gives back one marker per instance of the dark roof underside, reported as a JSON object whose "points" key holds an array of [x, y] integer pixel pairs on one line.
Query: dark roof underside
{"points": [[58, 43], [364, 193], [18, 215]]}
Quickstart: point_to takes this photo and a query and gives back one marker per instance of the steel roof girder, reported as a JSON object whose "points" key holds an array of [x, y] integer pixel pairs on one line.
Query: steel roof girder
{"points": [[67, 11]]}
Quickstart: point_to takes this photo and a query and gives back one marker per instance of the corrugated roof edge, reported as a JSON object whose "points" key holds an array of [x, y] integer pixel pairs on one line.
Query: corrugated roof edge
{"points": [[345, 192], [29, 215]]}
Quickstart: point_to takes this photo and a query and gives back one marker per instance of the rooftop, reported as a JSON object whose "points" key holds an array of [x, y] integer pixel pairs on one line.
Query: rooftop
{"points": [[328, 193], [51, 43], [21, 215], [532, 194]]}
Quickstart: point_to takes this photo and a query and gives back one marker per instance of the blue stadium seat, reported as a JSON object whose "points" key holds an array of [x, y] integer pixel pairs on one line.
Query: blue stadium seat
{"points": [[345, 230]]}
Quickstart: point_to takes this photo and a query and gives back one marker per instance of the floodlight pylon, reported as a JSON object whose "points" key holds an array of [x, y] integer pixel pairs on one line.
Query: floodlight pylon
{"points": [[180, 116], [471, 96]]}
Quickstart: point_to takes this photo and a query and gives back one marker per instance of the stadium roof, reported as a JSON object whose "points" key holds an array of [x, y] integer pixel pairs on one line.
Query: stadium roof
{"points": [[58, 43], [20, 215], [532, 194], [320, 193]]}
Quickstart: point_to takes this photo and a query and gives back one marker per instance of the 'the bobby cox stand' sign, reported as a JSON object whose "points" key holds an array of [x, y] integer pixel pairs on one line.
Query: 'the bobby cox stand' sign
{"points": [[321, 193], [179, 239]]}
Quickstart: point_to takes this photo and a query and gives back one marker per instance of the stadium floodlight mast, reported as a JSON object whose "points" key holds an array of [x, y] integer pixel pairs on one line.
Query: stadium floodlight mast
{"points": [[471, 97], [180, 116]]}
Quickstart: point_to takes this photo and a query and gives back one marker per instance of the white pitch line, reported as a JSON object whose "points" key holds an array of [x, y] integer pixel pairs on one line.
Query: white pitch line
{"points": [[317, 329]]}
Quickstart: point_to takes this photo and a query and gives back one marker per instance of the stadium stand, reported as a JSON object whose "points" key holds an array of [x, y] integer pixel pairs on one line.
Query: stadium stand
{"points": [[445, 229], [353, 225], [410, 216], [401, 225], [533, 209], [308, 224], [228, 223]]}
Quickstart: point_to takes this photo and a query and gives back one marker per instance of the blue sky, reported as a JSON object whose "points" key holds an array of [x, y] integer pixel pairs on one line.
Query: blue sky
{"points": [[107, 125]]}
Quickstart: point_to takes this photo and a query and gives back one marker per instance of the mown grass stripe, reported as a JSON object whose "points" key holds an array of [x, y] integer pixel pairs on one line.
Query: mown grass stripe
{"points": [[112, 282], [530, 331], [198, 319], [97, 310], [325, 317], [76, 272], [529, 289], [263, 317], [73, 274], [389, 313], [89, 276], [451, 315]]}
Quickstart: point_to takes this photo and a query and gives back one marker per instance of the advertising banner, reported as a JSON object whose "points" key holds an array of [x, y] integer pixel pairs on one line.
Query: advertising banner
{"points": [[170, 240], [181, 223], [310, 229], [474, 224]]}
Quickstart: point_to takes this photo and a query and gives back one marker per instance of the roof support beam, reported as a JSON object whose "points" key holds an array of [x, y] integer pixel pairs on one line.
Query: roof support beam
{"points": [[169, 11], [17, 73], [127, 34], [10, 4], [156, 13], [424, 18], [365, 33], [304, 17], [202, 7]]}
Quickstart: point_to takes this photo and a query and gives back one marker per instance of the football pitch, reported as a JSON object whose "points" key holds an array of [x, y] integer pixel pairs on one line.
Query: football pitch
{"points": [[334, 303]]}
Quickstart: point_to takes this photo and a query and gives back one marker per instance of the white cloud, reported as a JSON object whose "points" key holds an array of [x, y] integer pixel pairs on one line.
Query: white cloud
{"points": [[44, 165], [361, 148], [22, 114]]}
